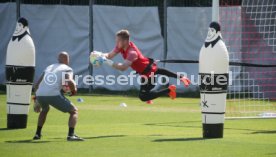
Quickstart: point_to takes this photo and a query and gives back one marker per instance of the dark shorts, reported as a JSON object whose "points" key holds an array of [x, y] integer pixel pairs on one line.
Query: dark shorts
{"points": [[59, 102]]}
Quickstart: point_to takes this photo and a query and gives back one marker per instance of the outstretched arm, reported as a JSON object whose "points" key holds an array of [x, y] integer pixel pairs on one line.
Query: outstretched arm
{"points": [[132, 56], [122, 66], [110, 55]]}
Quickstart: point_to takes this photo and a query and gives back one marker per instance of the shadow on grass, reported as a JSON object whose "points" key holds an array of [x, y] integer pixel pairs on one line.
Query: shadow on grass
{"points": [[179, 139], [252, 131], [184, 125], [108, 136], [176, 124], [6, 129], [26, 141], [264, 132], [96, 137]]}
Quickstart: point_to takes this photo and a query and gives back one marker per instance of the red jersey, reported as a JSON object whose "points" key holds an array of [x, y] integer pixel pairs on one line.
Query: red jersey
{"points": [[140, 64]]}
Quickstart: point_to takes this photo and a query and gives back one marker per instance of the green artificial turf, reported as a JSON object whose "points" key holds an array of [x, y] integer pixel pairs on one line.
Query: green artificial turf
{"points": [[170, 128]]}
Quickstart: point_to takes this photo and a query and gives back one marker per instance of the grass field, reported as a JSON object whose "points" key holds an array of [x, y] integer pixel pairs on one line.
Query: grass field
{"points": [[165, 128]]}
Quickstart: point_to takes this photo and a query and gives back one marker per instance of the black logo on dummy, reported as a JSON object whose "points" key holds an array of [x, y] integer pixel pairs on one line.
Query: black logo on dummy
{"points": [[213, 83], [20, 75]]}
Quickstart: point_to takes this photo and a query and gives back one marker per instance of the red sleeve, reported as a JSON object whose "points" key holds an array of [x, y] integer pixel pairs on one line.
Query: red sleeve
{"points": [[116, 49], [132, 56]]}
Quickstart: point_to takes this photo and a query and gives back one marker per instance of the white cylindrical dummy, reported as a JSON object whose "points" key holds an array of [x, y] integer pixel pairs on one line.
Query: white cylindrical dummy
{"points": [[20, 68], [213, 71]]}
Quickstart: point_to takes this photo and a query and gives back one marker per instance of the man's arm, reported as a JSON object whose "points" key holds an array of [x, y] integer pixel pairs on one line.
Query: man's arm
{"points": [[38, 82], [122, 66], [110, 55], [132, 56]]}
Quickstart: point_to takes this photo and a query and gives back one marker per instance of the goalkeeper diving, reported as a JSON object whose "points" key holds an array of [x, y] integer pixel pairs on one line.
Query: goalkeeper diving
{"points": [[146, 67]]}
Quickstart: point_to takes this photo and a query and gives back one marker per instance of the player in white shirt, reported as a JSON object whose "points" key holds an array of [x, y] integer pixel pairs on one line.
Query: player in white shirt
{"points": [[49, 92]]}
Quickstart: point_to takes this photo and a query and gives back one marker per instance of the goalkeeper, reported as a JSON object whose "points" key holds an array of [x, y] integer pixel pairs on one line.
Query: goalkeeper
{"points": [[144, 66]]}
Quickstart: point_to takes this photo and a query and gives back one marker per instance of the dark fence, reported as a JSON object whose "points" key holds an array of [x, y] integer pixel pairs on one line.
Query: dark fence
{"points": [[161, 4]]}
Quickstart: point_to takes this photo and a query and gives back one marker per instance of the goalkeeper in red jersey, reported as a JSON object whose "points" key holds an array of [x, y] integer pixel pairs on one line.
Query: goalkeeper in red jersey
{"points": [[144, 66]]}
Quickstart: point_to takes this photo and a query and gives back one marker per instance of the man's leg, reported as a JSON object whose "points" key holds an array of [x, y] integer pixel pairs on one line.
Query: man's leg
{"points": [[149, 95], [72, 124], [41, 119], [162, 71], [146, 94], [168, 73], [72, 121], [64, 105]]}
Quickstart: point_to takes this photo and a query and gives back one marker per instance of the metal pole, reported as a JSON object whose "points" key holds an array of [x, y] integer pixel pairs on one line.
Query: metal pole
{"points": [[91, 46], [165, 40], [17, 9], [215, 10], [165, 30]]}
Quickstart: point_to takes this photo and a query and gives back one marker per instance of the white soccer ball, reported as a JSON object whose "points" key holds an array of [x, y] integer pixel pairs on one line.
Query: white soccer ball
{"points": [[96, 58], [123, 105]]}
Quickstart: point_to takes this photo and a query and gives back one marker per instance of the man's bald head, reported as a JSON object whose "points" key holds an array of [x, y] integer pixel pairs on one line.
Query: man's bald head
{"points": [[63, 57]]}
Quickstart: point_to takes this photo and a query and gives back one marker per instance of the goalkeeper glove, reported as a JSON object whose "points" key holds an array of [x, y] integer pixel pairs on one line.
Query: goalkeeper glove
{"points": [[106, 61]]}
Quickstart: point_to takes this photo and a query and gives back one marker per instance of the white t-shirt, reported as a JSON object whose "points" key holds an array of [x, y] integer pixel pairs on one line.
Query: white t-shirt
{"points": [[52, 80]]}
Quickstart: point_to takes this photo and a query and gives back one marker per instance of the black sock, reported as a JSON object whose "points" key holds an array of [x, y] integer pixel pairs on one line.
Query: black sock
{"points": [[38, 130], [71, 131]]}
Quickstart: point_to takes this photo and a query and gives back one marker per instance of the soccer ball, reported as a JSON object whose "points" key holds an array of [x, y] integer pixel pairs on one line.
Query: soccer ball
{"points": [[96, 59]]}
